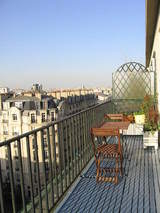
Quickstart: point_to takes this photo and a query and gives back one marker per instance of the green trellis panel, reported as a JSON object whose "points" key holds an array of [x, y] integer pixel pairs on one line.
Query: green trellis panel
{"points": [[130, 83]]}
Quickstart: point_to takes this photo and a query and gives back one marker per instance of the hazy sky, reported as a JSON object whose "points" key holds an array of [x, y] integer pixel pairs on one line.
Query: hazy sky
{"points": [[67, 43]]}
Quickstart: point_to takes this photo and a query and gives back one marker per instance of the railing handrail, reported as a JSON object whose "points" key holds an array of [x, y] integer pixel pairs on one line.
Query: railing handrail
{"points": [[13, 139]]}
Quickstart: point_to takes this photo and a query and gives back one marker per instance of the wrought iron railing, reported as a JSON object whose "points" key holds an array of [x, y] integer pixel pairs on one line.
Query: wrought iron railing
{"points": [[38, 178]]}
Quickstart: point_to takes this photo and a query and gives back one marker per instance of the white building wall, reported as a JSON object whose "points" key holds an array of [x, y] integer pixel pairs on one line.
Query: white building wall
{"points": [[155, 57]]}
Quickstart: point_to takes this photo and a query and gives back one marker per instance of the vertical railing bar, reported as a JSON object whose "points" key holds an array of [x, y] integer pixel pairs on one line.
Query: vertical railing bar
{"points": [[79, 141], [1, 192], [82, 137], [60, 158], [21, 174], [63, 156], [71, 149], [30, 172], [90, 124], [88, 131], [55, 161], [94, 122], [73, 145], [87, 119], [85, 137], [11, 178], [67, 153], [44, 169], [38, 172], [77, 147], [50, 165]]}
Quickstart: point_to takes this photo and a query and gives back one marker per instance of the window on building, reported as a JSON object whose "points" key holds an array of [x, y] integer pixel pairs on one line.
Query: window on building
{"points": [[15, 144], [6, 153], [52, 116], [15, 131], [4, 117], [33, 143], [7, 177], [34, 167], [29, 193], [45, 141], [33, 118], [34, 155], [35, 178], [17, 166], [46, 166], [5, 130], [19, 105], [43, 117], [14, 117], [16, 153], [45, 154]]}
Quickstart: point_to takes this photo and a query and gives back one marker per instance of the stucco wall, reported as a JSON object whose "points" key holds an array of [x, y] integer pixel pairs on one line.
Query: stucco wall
{"points": [[155, 56]]}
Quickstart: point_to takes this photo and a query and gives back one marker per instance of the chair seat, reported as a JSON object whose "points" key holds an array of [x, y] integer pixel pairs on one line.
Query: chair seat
{"points": [[108, 150]]}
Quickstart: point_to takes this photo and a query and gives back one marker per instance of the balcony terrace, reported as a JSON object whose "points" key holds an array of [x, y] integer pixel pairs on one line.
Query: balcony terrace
{"points": [[68, 184], [43, 184]]}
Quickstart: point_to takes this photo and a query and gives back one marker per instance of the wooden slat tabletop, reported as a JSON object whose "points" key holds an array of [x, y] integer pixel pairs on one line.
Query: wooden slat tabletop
{"points": [[115, 125]]}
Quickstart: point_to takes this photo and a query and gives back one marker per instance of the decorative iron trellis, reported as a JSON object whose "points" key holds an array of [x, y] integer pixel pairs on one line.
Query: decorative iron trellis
{"points": [[130, 83]]}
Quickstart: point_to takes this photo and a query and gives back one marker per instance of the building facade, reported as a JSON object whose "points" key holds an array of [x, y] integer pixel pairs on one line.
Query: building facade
{"points": [[19, 115], [153, 42], [65, 93]]}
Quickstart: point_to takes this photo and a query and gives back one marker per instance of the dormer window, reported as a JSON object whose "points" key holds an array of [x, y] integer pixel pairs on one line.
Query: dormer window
{"points": [[14, 117], [33, 118], [18, 105], [43, 117]]}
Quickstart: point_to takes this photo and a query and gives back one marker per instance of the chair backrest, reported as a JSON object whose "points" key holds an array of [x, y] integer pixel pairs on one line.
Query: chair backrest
{"points": [[102, 133], [119, 117]]}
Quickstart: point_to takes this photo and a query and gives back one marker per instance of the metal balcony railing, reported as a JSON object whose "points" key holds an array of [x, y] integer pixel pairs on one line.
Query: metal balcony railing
{"points": [[69, 150]]}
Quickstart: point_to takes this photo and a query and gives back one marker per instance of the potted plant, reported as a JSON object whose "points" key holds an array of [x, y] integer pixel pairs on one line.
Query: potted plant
{"points": [[139, 117], [128, 117], [150, 129]]}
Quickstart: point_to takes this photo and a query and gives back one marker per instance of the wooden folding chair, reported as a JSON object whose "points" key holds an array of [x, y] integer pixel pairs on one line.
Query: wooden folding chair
{"points": [[106, 150]]}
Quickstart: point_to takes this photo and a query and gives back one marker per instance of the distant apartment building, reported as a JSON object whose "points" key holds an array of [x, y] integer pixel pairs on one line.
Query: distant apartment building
{"points": [[105, 91], [68, 101], [71, 101], [23, 113], [103, 94], [73, 104], [58, 94], [19, 115], [4, 90]]}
